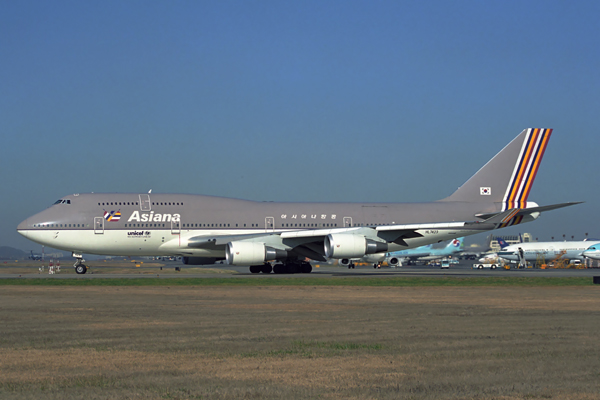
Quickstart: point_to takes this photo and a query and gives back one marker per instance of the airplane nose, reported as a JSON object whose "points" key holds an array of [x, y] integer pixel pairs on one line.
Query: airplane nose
{"points": [[22, 228]]}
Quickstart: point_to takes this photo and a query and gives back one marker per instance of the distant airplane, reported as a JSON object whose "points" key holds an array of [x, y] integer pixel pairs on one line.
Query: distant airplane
{"points": [[204, 229], [35, 257], [426, 253], [593, 252], [573, 250]]}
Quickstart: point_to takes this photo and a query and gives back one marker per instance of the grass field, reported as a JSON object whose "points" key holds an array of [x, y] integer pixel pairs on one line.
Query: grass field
{"points": [[273, 342]]}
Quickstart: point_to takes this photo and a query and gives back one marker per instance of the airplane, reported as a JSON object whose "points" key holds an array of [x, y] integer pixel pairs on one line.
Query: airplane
{"points": [[570, 250], [426, 253], [35, 257], [493, 257], [203, 229], [593, 252]]}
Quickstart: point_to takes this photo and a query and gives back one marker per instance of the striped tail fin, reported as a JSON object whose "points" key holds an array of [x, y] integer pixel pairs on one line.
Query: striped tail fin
{"points": [[526, 168]]}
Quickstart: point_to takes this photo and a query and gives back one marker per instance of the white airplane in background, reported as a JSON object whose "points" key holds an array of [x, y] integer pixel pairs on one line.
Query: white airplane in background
{"points": [[203, 229], [570, 250]]}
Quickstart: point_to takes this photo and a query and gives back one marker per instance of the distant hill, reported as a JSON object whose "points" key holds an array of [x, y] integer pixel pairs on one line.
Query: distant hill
{"points": [[10, 253]]}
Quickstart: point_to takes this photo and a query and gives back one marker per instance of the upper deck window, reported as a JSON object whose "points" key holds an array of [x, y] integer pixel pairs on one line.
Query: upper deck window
{"points": [[62, 201]]}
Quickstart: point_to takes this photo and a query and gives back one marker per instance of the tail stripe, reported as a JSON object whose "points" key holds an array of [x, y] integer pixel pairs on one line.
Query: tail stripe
{"points": [[536, 164], [526, 168], [521, 167], [515, 221]]}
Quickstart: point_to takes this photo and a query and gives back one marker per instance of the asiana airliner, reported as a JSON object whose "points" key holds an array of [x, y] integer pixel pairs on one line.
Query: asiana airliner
{"points": [[280, 237]]}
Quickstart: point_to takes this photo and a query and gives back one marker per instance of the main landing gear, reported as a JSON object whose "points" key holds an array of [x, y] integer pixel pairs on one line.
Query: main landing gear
{"points": [[79, 265], [294, 267]]}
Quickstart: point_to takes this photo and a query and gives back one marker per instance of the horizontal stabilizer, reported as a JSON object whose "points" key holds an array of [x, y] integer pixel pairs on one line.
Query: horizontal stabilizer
{"points": [[530, 210]]}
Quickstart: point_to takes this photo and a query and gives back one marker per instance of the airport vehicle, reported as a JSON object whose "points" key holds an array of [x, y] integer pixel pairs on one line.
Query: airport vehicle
{"points": [[533, 251], [425, 253], [204, 229], [481, 265], [445, 264]]}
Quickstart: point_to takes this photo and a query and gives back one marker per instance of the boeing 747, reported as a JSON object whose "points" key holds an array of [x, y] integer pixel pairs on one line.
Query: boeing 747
{"points": [[279, 237]]}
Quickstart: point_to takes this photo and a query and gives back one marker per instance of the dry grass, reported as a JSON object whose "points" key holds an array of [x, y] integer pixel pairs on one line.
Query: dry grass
{"points": [[299, 342]]}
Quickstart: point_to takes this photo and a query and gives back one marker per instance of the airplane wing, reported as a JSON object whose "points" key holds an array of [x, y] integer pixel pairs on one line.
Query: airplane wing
{"points": [[310, 243], [314, 242]]}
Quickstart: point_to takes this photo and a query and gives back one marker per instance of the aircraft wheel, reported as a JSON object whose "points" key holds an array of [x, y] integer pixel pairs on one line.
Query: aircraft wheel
{"points": [[306, 268], [278, 269], [266, 268], [255, 269], [81, 269]]}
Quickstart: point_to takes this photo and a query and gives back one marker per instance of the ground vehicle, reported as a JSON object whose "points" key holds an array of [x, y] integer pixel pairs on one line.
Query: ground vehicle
{"points": [[444, 264], [485, 265]]}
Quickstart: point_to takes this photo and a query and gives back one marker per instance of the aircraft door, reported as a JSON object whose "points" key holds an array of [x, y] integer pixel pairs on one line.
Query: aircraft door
{"points": [[347, 222], [98, 225], [269, 224], [175, 227], [145, 202]]}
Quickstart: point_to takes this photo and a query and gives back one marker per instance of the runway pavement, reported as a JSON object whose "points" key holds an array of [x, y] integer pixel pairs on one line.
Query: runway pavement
{"points": [[464, 269]]}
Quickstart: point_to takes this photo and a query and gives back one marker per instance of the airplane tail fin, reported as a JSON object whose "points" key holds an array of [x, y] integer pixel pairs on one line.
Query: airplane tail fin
{"points": [[456, 244], [507, 178], [502, 243]]}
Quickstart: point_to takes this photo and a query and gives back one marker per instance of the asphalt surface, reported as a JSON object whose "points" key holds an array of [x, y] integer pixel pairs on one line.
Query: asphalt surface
{"points": [[463, 269]]}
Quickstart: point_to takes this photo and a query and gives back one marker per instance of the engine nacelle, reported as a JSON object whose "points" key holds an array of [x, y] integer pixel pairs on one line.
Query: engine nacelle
{"points": [[347, 245], [393, 261], [199, 260], [251, 253]]}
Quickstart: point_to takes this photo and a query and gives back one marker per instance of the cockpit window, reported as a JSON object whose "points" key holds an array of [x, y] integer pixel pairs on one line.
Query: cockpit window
{"points": [[62, 201]]}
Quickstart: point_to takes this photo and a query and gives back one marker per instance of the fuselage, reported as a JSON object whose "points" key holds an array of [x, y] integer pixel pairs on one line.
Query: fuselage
{"points": [[593, 252], [161, 224]]}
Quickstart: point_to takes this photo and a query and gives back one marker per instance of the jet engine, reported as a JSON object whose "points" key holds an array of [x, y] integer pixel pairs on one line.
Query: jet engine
{"points": [[393, 261], [251, 253], [345, 245]]}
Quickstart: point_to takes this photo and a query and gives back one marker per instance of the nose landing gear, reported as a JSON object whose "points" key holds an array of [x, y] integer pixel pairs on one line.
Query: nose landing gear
{"points": [[80, 267]]}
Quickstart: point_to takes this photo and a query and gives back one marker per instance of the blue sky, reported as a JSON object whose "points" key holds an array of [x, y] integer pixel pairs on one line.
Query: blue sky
{"points": [[295, 101]]}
